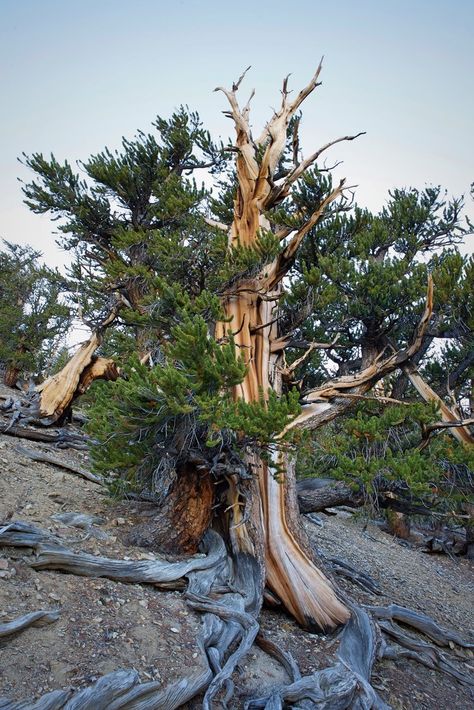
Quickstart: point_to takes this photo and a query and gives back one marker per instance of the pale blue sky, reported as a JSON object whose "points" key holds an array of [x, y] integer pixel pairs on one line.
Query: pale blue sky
{"points": [[76, 75]]}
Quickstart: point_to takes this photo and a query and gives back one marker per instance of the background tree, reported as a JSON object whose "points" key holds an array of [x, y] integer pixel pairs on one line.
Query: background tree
{"points": [[370, 273], [33, 315]]}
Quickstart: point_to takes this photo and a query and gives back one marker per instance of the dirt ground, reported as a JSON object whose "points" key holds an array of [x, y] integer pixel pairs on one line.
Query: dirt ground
{"points": [[106, 625]]}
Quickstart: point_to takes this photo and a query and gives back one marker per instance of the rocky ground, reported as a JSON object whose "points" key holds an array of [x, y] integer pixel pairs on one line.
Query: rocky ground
{"points": [[105, 625]]}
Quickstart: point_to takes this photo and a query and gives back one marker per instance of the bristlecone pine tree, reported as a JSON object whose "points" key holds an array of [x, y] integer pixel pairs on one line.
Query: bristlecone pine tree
{"points": [[32, 317], [207, 416], [224, 369]]}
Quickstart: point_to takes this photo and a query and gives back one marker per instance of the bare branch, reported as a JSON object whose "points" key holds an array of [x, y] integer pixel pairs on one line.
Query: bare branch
{"points": [[281, 191], [377, 398], [324, 403], [304, 93], [215, 223], [284, 260], [236, 84], [285, 342], [437, 426], [296, 141], [289, 369], [461, 433]]}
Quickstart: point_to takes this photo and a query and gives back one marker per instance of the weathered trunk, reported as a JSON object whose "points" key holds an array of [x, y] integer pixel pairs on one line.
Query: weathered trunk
{"points": [[251, 314], [272, 521], [183, 517], [10, 377]]}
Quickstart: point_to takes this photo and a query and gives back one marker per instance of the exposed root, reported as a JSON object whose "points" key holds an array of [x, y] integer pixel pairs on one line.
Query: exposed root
{"points": [[34, 618], [231, 622], [227, 591], [283, 657], [229, 618], [346, 684], [420, 622], [422, 652]]}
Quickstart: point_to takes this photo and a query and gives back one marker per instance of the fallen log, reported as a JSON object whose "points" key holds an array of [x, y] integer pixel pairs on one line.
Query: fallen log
{"points": [[315, 494], [59, 438], [53, 461], [318, 494]]}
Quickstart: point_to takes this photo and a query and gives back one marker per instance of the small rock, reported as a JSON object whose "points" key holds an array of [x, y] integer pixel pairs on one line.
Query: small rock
{"points": [[3, 563], [54, 596], [174, 630]]}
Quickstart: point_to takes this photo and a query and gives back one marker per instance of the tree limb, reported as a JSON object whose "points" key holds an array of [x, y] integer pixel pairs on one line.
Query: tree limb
{"points": [[281, 191], [461, 432], [324, 403]]}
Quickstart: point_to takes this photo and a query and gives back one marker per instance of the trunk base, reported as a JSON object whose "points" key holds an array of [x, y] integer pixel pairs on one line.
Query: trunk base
{"points": [[182, 519], [11, 375]]}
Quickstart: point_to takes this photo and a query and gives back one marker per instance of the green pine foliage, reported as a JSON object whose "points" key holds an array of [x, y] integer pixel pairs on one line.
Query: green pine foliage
{"points": [[364, 276], [386, 443], [132, 217], [185, 403]]}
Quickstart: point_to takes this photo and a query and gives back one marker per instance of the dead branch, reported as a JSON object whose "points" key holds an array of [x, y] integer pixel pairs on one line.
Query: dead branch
{"points": [[277, 270], [288, 342], [218, 225], [324, 403], [459, 431], [430, 429], [288, 370], [280, 192]]}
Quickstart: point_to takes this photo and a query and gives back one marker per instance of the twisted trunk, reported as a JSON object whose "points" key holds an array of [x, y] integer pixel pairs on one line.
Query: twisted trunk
{"points": [[269, 530]]}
